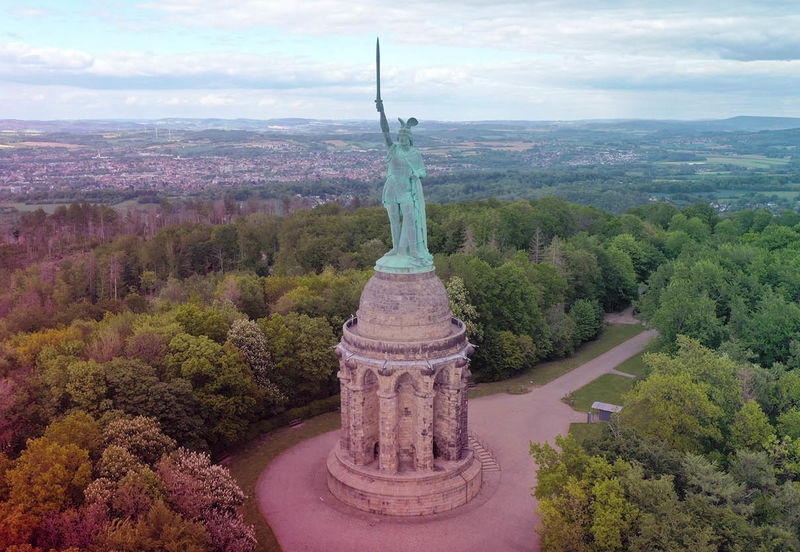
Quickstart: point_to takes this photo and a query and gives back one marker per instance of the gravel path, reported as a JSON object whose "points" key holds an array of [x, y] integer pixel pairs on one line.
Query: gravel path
{"points": [[293, 496], [622, 317]]}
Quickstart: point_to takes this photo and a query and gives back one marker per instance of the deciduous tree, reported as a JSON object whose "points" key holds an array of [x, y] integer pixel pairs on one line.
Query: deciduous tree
{"points": [[674, 409], [48, 476], [751, 429], [160, 529], [302, 349], [140, 436]]}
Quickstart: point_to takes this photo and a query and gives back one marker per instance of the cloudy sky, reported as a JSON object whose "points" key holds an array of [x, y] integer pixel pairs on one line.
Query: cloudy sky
{"points": [[441, 59]]}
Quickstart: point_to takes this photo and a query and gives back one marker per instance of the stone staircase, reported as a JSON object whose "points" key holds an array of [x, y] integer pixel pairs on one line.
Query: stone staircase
{"points": [[488, 462]]}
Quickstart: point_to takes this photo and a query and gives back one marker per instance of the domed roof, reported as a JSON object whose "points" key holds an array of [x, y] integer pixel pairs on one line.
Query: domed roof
{"points": [[405, 307]]}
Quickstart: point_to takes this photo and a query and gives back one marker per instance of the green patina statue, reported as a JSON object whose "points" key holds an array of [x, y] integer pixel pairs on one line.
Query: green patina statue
{"points": [[402, 197]]}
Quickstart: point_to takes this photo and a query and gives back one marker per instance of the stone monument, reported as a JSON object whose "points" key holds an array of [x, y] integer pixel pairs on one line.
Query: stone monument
{"points": [[403, 369]]}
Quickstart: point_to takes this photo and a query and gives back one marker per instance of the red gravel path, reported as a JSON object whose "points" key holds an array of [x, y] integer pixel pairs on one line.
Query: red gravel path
{"points": [[293, 496]]}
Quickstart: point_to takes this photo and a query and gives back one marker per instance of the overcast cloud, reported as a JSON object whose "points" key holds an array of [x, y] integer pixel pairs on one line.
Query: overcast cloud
{"points": [[442, 59]]}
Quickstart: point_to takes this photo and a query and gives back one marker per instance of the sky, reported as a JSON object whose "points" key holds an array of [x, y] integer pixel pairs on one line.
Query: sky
{"points": [[440, 59]]}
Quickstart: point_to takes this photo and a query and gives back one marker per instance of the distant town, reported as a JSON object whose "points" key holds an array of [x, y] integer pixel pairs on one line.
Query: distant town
{"points": [[745, 162]]}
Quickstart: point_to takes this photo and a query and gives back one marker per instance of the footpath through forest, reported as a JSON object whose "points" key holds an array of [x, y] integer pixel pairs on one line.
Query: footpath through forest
{"points": [[293, 496]]}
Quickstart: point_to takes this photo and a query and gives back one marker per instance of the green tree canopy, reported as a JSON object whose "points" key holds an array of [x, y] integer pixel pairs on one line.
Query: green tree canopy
{"points": [[675, 409]]}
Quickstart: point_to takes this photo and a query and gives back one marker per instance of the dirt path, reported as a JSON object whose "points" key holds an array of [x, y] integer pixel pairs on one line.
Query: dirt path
{"points": [[622, 317], [304, 516]]}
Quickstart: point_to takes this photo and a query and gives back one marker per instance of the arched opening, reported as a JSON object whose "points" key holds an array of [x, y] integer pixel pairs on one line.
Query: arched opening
{"points": [[370, 414], [435, 450], [376, 451]]}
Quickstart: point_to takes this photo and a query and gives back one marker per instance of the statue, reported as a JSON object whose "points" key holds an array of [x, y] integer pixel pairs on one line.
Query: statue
{"points": [[402, 196]]}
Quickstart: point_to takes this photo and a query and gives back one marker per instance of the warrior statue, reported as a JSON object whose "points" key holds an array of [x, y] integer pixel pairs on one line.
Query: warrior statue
{"points": [[402, 197]]}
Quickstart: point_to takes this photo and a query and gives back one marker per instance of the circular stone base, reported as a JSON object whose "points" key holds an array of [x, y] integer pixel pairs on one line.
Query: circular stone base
{"points": [[450, 485]]}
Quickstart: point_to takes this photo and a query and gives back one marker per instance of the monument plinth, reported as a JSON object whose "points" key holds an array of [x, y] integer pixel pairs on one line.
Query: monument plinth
{"points": [[404, 367]]}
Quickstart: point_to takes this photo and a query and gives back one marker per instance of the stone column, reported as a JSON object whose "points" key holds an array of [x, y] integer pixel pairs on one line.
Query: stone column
{"points": [[344, 391], [356, 408], [450, 440], [387, 407], [423, 438], [462, 415]]}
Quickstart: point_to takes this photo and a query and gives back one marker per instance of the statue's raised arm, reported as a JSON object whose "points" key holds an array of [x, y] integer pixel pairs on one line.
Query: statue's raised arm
{"points": [[402, 196]]}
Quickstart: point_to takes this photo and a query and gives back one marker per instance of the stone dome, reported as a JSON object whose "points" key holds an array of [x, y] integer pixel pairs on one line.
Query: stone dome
{"points": [[405, 308]]}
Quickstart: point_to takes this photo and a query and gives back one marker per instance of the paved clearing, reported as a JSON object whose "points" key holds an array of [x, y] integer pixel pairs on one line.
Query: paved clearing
{"points": [[293, 496]]}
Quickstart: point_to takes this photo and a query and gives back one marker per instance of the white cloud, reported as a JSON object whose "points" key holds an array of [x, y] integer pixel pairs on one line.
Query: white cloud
{"points": [[535, 103], [215, 100], [307, 17], [515, 59], [532, 26], [24, 56], [28, 11], [24, 62], [241, 85]]}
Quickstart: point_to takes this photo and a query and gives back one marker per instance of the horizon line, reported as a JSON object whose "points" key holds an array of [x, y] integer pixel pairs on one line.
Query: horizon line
{"points": [[599, 119]]}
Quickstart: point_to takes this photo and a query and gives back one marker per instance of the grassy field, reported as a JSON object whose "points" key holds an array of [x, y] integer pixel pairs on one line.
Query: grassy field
{"points": [[787, 194], [23, 207], [734, 194], [122, 206], [748, 161], [246, 466], [634, 365], [583, 431], [548, 371], [608, 388]]}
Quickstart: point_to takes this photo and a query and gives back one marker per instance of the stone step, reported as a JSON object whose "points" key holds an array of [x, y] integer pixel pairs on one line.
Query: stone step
{"points": [[488, 462]]}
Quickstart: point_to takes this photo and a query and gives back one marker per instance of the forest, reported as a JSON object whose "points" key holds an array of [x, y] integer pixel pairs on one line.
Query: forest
{"points": [[136, 351], [705, 454]]}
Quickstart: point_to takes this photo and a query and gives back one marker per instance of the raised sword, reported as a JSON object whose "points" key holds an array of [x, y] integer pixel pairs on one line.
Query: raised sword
{"points": [[378, 101]]}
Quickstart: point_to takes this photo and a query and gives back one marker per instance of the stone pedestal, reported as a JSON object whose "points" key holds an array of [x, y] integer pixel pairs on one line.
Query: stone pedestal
{"points": [[403, 373]]}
